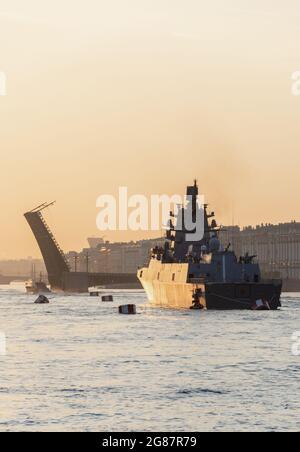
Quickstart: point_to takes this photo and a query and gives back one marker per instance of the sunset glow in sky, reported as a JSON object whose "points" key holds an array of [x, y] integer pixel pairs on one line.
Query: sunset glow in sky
{"points": [[147, 94]]}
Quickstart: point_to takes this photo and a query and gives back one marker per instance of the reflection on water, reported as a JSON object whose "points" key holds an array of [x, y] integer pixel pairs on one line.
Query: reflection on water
{"points": [[76, 364]]}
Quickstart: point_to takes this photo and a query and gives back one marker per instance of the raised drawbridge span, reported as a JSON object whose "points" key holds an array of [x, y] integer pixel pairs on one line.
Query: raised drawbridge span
{"points": [[54, 258], [60, 276]]}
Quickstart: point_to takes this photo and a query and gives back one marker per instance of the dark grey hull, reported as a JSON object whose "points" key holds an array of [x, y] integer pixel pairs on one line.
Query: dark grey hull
{"points": [[243, 296]]}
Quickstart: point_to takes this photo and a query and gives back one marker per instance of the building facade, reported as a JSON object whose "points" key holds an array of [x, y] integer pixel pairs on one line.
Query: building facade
{"points": [[109, 257], [277, 247]]}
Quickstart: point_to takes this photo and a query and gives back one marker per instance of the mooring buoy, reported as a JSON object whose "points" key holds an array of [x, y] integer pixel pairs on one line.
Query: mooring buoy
{"points": [[42, 300], [127, 309], [107, 298]]}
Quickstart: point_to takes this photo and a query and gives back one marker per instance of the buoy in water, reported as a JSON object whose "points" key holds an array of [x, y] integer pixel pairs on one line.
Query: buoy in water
{"points": [[197, 306], [197, 295], [261, 305], [42, 300], [107, 298], [127, 309]]}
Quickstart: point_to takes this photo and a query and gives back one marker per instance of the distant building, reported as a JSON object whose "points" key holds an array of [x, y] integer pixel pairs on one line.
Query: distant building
{"points": [[22, 267], [95, 242], [106, 257], [277, 247]]}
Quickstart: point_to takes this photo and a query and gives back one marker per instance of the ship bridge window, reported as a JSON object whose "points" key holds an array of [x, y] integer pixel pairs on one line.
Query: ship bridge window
{"points": [[141, 274], [158, 275], [173, 277]]}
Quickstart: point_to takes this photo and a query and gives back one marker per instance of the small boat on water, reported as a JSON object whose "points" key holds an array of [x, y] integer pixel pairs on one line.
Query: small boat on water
{"points": [[36, 287]]}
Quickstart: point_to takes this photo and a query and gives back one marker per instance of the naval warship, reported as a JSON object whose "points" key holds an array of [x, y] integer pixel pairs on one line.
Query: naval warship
{"points": [[203, 274]]}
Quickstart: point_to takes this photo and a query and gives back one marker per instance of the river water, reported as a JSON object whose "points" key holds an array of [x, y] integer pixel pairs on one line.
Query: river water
{"points": [[77, 364]]}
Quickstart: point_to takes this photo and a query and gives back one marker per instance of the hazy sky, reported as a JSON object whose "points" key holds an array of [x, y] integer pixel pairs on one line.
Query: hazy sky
{"points": [[148, 94]]}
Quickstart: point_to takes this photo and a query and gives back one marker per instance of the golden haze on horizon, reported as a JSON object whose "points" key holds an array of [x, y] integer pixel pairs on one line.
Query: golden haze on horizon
{"points": [[146, 94]]}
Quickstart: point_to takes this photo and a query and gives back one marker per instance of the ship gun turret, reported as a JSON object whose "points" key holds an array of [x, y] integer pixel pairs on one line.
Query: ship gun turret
{"points": [[247, 259]]}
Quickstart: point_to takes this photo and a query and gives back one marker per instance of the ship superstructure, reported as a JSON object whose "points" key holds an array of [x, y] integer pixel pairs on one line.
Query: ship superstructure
{"points": [[202, 274]]}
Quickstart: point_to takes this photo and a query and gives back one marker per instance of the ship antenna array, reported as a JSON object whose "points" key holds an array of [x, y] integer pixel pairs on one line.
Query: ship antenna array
{"points": [[42, 207]]}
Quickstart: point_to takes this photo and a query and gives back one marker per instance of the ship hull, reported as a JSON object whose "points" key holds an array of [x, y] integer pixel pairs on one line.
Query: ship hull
{"points": [[176, 296], [242, 296], [166, 286]]}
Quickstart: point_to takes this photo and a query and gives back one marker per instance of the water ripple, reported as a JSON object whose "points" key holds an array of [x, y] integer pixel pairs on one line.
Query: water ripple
{"points": [[78, 365]]}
